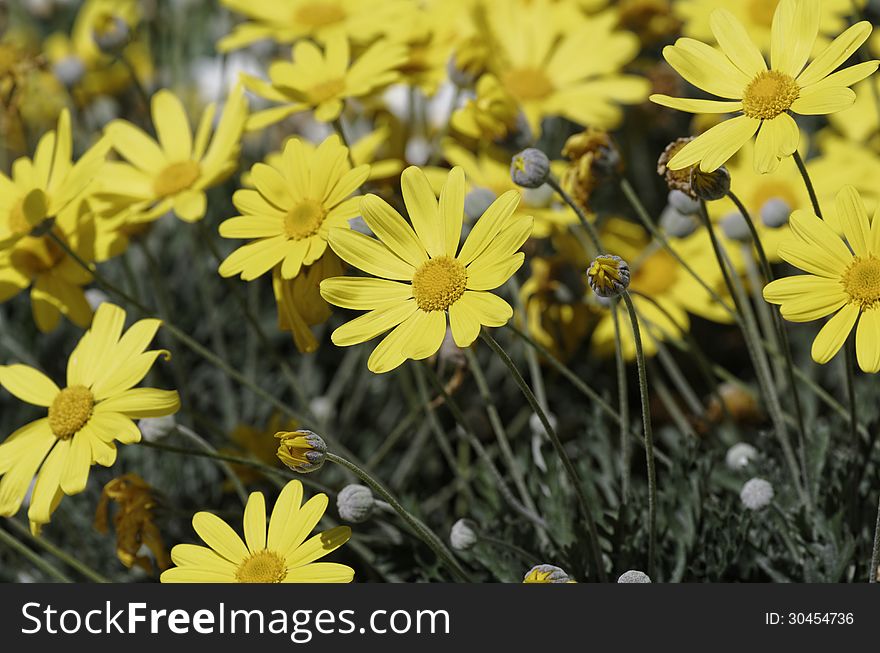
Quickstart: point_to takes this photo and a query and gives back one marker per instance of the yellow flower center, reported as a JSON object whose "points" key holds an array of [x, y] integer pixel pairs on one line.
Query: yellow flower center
{"points": [[439, 283], [861, 281], [304, 219], [527, 84], [70, 411], [176, 177], [769, 94], [28, 212], [262, 567], [761, 11], [36, 256], [319, 14], [326, 90]]}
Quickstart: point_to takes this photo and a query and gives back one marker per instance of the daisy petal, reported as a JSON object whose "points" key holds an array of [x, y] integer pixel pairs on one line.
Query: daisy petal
{"points": [[838, 51], [714, 147], [218, 535], [736, 43], [695, 106], [368, 326], [364, 293], [320, 572], [834, 333], [824, 101], [172, 126], [868, 341], [428, 331], [255, 522], [28, 384], [854, 219], [319, 545], [369, 255], [421, 204], [392, 230]]}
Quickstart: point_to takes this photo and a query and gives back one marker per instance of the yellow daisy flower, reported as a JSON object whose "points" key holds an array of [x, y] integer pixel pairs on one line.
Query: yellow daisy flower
{"points": [[757, 17], [287, 21], [843, 278], [550, 65], [40, 188], [322, 81], [85, 419], [423, 273], [55, 279], [281, 555], [292, 210], [764, 96], [173, 173]]}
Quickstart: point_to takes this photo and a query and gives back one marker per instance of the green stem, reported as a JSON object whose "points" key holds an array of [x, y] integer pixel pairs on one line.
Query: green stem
{"points": [[44, 566], [623, 399], [423, 532], [62, 555], [587, 225], [649, 434], [567, 464], [875, 553], [808, 183]]}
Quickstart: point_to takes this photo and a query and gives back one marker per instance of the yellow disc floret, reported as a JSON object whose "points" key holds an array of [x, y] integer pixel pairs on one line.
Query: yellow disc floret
{"points": [[70, 411], [861, 281], [262, 567], [176, 177], [770, 93], [527, 84], [439, 283], [304, 219]]}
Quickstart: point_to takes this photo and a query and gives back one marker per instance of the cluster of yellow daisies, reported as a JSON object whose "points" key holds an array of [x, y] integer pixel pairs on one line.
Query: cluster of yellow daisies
{"points": [[381, 134]]}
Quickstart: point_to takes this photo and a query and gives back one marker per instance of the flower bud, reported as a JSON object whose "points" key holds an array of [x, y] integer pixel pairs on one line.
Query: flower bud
{"points": [[710, 185], [547, 574], [634, 576], [156, 428], [302, 451], [740, 455], [69, 70], [608, 275], [677, 224], [756, 494], [682, 202], [675, 179], [477, 201], [355, 503], [530, 168], [736, 228], [775, 212], [463, 535], [111, 34]]}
